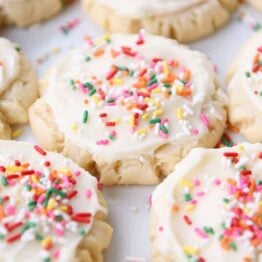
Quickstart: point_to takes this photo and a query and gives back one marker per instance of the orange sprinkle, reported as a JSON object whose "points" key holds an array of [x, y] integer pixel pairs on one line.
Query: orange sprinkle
{"points": [[187, 75], [175, 208], [2, 212], [170, 78], [99, 52], [184, 92], [26, 165], [232, 128], [231, 181]]}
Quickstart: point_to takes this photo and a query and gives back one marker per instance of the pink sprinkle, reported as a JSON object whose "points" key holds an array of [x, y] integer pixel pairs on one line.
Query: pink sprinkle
{"points": [[82, 88], [163, 121], [201, 233], [200, 193], [59, 232], [193, 202], [161, 229], [204, 120], [66, 182], [41, 199], [195, 131], [102, 142], [163, 135], [140, 39], [88, 193], [77, 173], [217, 182], [57, 254], [153, 86], [10, 210], [11, 182], [150, 200], [196, 182]]}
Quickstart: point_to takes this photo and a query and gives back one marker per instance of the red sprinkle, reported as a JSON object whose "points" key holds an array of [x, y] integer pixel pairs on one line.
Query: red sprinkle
{"points": [[246, 172], [40, 150], [13, 238], [27, 172], [187, 220], [230, 154], [72, 194]]}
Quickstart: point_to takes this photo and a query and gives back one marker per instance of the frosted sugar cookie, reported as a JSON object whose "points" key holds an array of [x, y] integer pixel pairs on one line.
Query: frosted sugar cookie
{"points": [[50, 209], [210, 209], [18, 87], [256, 3], [180, 19], [129, 107], [28, 12], [245, 90]]}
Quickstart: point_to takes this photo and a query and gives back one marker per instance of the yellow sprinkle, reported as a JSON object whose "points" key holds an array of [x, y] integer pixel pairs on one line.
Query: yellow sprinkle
{"points": [[158, 112], [63, 208], [132, 121], [51, 204], [166, 69], [96, 99], [17, 133], [14, 169], [47, 241], [102, 39], [189, 207], [179, 113], [145, 116], [74, 127], [156, 90], [117, 81], [34, 179], [64, 171], [142, 131], [241, 147], [179, 87], [190, 250], [186, 183], [117, 120]]}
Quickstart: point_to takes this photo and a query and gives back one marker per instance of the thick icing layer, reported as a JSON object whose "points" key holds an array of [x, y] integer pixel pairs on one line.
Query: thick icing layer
{"points": [[126, 89], [138, 8], [9, 63], [47, 204], [249, 70], [209, 209]]}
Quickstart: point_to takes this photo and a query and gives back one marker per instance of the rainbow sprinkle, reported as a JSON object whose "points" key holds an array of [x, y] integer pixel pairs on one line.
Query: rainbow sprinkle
{"points": [[47, 213]]}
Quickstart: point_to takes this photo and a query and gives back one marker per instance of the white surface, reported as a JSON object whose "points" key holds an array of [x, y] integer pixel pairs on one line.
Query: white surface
{"points": [[129, 213]]}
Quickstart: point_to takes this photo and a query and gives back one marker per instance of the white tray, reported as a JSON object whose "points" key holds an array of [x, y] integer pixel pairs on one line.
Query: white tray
{"points": [[129, 206]]}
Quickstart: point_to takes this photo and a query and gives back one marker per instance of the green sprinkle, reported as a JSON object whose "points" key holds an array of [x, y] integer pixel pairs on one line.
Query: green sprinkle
{"points": [[248, 75], [187, 197], [2, 236], [27, 226], [58, 192], [223, 225], [122, 68], [226, 200], [154, 120], [257, 27], [18, 49], [243, 168], [28, 187], [131, 72], [85, 117], [72, 83], [260, 182], [233, 246], [88, 85], [82, 232], [110, 100], [39, 237], [92, 92], [4, 181], [209, 230], [59, 218], [32, 205], [88, 58], [48, 259], [164, 129], [167, 85]]}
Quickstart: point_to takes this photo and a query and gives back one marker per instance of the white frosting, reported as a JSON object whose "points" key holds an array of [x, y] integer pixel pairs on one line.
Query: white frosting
{"points": [[253, 82], [68, 104], [210, 168], [27, 248], [9, 64], [142, 8]]}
